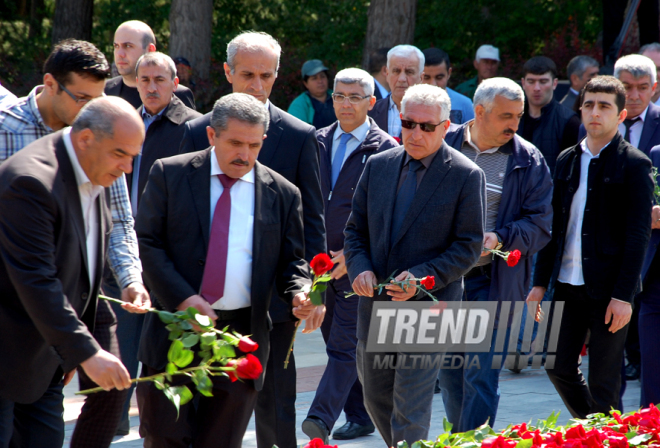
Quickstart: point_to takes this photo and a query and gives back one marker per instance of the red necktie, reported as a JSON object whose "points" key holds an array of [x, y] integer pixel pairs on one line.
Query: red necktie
{"points": [[215, 268]]}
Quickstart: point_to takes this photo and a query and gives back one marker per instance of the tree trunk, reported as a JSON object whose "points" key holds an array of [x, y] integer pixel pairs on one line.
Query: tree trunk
{"points": [[191, 23], [72, 19], [36, 18], [391, 22]]}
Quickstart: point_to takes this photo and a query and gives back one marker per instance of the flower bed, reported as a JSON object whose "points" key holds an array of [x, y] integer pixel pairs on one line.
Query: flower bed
{"points": [[634, 429]]}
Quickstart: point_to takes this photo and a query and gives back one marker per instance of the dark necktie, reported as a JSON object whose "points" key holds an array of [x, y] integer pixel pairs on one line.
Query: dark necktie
{"points": [[628, 124], [215, 268], [404, 197]]}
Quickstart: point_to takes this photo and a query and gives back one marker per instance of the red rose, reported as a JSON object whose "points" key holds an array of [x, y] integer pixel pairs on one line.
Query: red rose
{"points": [[321, 264], [247, 368], [618, 441], [398, 140], [513, 258], [576, 432], [318, 443], [247, 345], [428, 282]]}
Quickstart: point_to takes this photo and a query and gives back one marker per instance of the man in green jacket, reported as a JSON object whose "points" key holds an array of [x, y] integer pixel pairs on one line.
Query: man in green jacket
{"points": [[486, 62]]}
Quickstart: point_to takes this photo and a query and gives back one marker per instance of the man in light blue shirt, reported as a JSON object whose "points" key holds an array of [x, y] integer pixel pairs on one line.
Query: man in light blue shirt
{"points": [[437, 71]]}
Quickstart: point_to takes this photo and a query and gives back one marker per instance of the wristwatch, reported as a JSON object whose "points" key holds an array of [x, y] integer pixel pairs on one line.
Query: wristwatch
{"points": [[499, 241]]}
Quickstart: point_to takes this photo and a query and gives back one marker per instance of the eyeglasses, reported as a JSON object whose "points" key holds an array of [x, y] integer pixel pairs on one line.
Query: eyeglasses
{"points": [[426, 127], [353, 99], [74, 97]]}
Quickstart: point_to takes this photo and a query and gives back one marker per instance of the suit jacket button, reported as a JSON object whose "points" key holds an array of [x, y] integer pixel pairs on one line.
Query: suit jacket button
{"points": [[84, 296], [200, 262]]}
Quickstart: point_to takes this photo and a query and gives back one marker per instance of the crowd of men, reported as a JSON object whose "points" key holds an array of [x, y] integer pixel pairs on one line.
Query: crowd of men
{"points": [[119, 185]]}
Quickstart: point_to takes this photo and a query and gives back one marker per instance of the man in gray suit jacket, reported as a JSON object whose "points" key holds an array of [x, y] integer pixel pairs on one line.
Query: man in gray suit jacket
{"points": [[428, 225]]}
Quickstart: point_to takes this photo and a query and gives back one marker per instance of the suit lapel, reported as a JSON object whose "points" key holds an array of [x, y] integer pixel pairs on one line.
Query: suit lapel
{"points": [[650, 124], [434, 176], [273, 135], [264, 198], [73, 196], [199, 180]]}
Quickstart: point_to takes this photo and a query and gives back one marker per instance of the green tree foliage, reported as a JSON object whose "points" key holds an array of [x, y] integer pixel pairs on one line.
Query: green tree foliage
{"points": [[330, 30]]}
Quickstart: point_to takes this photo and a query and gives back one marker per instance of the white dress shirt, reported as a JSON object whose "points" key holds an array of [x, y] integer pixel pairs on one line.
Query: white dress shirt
{"points": [[571, 262], [635, 130], [383, 90], [393, 119], [359, 134], [90, 210], [238, 277]]}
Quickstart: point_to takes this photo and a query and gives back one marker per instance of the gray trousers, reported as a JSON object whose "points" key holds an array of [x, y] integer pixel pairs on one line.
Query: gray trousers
{"points": [[398, 400]]}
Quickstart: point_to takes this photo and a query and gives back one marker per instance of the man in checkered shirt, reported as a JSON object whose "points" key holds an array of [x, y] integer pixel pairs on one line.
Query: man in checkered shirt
{"points": [[74, 74]]}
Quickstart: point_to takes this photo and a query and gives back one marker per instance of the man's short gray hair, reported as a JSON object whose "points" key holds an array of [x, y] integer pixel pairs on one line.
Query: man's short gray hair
{"points": [[100, 115], [406, 51], [579, 64], [652, 47], [356, 75], [158, 59], [637, 65], [490, 88], [252, 41], [427, 95], [239, 106]]}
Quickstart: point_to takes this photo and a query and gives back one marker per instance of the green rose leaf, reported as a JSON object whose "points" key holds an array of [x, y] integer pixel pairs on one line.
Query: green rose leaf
{"points": [[190, 340], [638, 440], [323, 279], [203, 320], [191, 312], [207, 338], [185, 325], [316, 298], [184, 394], [170, 368], [185, 358], [166, 317], [446, 426], [527, 443], [322, 287], [223, 350], [175, 351]]}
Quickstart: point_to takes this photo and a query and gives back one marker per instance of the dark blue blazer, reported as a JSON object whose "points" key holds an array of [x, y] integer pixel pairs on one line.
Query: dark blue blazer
{"points": [[650, 132]]}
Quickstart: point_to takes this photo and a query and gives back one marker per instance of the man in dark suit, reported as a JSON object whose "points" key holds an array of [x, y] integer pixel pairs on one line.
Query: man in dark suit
{"points": [[164, 115], [602, 199], [378, 69], [261, 248], [344, 148], [291, 150], [132, 40], [579, 71], [54, 229], [405, 65], [428, 221]]}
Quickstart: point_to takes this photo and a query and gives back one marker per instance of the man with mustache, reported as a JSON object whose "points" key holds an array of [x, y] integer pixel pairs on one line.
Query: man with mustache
{"points": [[164, 116], [405, 65], [291, 149], [519, 214]]}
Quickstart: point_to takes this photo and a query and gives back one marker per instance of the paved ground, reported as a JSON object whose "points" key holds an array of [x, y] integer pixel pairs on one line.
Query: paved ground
{"points": [[525, 396]]}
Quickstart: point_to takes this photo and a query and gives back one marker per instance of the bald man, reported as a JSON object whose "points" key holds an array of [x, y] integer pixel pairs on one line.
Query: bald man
{"points": [[53, 209], [132, 40]]}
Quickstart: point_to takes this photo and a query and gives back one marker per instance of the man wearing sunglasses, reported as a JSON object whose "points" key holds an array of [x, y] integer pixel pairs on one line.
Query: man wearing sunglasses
{"points": [[518, 193], [417, 209], [344, 148]]}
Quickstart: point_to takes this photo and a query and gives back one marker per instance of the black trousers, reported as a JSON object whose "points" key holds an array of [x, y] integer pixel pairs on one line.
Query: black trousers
{"points": [[204, 422], [582, 313], [275, 413]]}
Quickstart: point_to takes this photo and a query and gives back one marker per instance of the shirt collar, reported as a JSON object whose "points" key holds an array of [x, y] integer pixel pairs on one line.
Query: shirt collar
{"points": [[146, 114], [393, 104], [81, 176], [34, 108], [215, 168], [575, 92], [585, 148], [642, 116], [360, 133], [426, 161], [468, 140], [267, 105]]}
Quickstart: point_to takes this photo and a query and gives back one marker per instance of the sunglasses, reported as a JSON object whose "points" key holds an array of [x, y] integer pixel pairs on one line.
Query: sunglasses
{"points": [[426, 127]]}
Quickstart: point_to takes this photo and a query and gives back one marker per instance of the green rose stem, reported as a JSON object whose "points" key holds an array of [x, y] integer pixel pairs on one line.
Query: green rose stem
{"points": [[288, 353], [159, 376], [401, 284]]}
